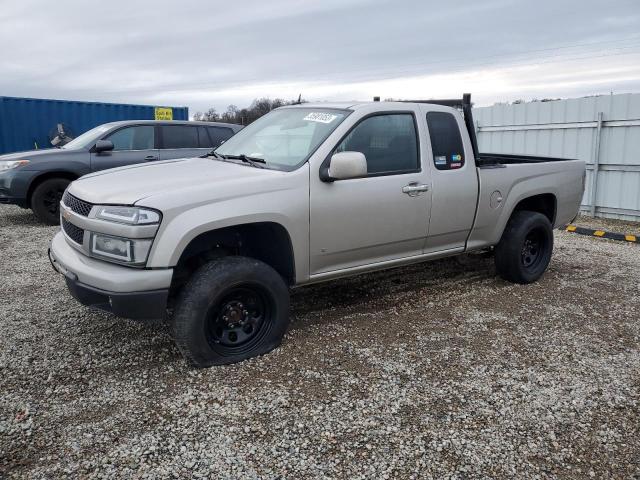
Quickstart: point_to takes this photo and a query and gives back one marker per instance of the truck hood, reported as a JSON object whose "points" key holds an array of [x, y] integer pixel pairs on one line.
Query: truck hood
{"points": [[133, 183]]}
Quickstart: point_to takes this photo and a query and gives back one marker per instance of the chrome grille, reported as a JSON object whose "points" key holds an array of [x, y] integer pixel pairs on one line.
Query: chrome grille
{"points": [[76, 205], [74, 233]]}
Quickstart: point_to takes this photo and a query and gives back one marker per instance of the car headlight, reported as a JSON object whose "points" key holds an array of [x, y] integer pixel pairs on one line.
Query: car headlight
{"points": [[9, 164], [128, 215], [122, 250]]}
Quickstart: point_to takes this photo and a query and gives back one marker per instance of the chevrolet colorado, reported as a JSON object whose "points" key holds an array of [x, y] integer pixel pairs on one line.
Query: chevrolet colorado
{"points": [[307, 193]]}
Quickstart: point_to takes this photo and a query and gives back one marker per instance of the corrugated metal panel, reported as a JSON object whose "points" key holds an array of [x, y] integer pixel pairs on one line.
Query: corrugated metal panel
{"points": [[25, 123], [568, 128]]}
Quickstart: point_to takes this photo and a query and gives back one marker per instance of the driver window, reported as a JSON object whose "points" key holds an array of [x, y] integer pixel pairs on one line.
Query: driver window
{"points": [[388, 141], [133, 138]]}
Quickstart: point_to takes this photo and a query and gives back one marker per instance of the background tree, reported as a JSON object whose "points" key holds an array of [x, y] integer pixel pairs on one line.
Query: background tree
{"points": [[244, 116], [230, 115]]}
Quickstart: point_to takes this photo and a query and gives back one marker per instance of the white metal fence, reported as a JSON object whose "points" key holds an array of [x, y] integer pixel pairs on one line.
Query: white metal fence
{"points": [[604, 131]]}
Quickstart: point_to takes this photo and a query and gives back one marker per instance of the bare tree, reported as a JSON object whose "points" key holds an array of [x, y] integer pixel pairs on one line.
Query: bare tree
{"points": [[230, 115], [244, 116], [211, 115]]}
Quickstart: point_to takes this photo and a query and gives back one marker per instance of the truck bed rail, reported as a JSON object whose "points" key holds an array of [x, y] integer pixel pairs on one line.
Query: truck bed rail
{"points": [[487, 159]]}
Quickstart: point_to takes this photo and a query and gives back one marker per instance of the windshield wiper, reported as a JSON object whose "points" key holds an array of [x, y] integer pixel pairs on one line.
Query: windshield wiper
{"points": [[254, 161], [212, 153]]}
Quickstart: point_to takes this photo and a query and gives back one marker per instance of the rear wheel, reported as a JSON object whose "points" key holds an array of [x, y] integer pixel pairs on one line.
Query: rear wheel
{"points": [[524, 251], [45, 200], [231, 309]]}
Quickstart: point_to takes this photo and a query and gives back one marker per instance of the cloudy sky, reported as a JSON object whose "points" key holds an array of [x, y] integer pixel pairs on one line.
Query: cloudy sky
{"points": [[214, 53]]}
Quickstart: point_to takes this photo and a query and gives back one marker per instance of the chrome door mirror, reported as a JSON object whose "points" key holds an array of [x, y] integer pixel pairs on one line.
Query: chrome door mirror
{"points": [[345, 165]]}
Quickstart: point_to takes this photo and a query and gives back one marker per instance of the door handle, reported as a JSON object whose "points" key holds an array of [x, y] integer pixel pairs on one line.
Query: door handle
{"points": [[414, 189], [148, 158]]}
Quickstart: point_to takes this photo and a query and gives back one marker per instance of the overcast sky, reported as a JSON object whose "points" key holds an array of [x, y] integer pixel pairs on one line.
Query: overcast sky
{"points": [[214, 53]]}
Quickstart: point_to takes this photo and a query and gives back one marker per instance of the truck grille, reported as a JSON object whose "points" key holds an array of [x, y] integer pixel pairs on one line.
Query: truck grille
{"points": [[74, 233], [76, 205]]}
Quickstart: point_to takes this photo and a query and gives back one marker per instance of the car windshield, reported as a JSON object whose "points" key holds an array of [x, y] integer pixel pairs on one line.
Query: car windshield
{"points": [[284, 138], [87, 139]]}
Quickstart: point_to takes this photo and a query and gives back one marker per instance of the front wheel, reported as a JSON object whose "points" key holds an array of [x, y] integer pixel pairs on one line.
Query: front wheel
{"points": [[45, 201], [524, 251], [231, 309]]}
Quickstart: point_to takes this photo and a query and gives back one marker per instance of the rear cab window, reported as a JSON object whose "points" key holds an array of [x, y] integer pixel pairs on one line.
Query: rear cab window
{"points": [[446, 141]]}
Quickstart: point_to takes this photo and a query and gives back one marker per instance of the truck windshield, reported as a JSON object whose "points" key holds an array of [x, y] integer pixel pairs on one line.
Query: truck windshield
{"points": [[88, 138], [284, 138]]}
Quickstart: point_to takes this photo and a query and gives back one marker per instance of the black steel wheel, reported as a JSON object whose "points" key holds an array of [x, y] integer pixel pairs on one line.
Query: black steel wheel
{"points": [[232, 309], [240, 316], [45, 200], [525, 249], [533, 248]]}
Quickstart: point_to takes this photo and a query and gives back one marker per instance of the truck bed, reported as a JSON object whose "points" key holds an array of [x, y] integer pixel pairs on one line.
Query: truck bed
{"points": [[505, 180]]}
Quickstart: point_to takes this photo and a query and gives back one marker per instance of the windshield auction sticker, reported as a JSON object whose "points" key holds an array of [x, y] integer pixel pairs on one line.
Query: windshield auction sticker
{"points": [[320, 117]]}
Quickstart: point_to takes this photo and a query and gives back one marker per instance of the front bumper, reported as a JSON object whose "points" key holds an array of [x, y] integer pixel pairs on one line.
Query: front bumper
{"points": [[21, 202], [14, 184], [125, 291]]}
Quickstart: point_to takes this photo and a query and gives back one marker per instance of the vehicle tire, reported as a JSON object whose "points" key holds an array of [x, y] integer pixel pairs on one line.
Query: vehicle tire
{"points": [[231, 309], [45, 200], [524, 251]]}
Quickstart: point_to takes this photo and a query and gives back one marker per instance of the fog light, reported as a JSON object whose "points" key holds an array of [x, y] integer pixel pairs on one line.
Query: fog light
{"points": [[112, 247], [128, 251]]}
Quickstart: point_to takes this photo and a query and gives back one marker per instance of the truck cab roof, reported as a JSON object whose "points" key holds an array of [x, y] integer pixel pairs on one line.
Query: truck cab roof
{"points": [[391, 105]]}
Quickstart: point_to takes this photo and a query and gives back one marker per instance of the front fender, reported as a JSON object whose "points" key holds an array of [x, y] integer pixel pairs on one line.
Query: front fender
{"points": [[288, 207]]}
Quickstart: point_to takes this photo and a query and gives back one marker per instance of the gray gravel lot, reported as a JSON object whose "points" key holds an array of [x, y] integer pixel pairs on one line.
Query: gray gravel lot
{"points": [[438, 370], [629, 228]]}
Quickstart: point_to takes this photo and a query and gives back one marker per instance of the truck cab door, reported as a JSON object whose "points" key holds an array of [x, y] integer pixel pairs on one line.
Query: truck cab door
{"points": [[455, 179], [132, 144], [383, 216]]}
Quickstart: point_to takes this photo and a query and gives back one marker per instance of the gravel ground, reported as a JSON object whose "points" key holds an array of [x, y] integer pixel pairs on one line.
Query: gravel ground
{"points": [[609, 225], [438, 370]]}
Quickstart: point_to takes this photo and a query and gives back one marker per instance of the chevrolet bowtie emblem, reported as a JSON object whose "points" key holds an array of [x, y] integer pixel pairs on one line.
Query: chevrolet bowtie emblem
{"points": [[66, 215]]}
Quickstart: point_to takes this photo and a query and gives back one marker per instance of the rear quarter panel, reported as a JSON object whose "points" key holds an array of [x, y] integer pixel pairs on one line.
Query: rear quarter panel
{"points": [[516, 182]]}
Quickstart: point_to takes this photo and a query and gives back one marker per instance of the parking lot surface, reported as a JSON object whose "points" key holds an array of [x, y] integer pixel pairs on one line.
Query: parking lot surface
{"points": [[437, 370]]}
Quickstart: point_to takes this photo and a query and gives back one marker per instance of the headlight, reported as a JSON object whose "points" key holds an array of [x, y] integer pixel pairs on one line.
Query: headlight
{"points": [[128, 215], [121, 250], [9, 164]]}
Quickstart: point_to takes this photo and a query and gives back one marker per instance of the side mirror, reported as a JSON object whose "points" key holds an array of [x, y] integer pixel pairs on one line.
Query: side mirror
{"points": [[345, 165], [103, 146]]}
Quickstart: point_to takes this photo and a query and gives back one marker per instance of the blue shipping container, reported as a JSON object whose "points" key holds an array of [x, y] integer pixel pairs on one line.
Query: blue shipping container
{"points": [[26, 123]]}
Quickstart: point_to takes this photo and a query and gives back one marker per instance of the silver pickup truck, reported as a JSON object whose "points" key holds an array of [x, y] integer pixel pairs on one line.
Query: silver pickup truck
{"points": [[307, 193]]}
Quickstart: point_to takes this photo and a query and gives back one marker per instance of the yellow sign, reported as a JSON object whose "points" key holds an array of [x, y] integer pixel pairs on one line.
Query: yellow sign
{"points": [[163, 113]]}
